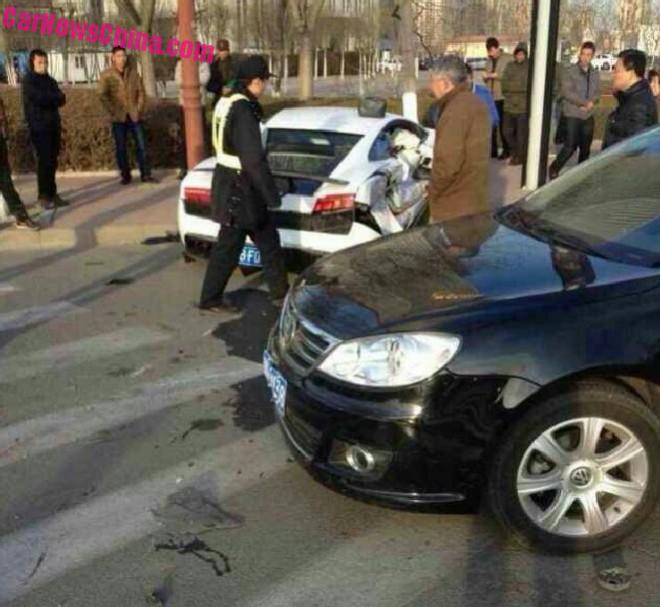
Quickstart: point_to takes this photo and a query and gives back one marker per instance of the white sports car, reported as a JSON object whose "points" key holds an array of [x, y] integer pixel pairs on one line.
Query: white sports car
{"points": [[344, 180]]}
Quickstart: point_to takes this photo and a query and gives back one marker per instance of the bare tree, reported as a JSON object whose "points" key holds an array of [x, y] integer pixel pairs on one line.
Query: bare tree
{"points": [[304, 17], [141, 17]]}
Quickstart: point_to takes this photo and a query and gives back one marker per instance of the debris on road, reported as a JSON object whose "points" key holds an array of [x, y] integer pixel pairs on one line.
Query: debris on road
{"points": [[614, 579], [119, 281], [198, 548]]}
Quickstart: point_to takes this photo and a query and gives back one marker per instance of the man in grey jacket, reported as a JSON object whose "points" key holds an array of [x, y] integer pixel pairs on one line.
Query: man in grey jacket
{"points": [[580, 92]]}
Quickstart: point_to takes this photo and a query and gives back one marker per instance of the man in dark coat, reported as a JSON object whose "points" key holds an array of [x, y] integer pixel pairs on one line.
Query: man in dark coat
{"points": [[223, 72], [514, 89], [637, 109], [242, 190], [42, 99]]}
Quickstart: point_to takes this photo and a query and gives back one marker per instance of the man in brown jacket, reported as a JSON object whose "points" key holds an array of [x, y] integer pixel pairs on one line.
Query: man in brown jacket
{"points": [[459, 179], [122, 94]]}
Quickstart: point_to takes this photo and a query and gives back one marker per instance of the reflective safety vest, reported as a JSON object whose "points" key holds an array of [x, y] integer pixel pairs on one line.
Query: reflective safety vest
{"points": [[219, 121]]}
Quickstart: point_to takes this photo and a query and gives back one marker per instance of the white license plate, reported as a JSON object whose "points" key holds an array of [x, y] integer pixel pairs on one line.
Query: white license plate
{"points": [[250, 257], [277, 385]]}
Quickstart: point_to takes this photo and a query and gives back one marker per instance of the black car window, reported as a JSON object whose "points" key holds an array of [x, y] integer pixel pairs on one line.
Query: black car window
{"points": [[611, 203], [308, 152]]}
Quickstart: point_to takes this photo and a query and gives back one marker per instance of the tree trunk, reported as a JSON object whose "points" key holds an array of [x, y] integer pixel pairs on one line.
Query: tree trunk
{"points": [[342, 65], [306, 67], [239, 26], [325, 62], [316, 63], [148, 74]]}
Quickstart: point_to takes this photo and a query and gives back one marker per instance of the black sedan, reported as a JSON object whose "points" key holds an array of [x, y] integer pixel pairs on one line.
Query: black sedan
{"points": [[514, 358]]}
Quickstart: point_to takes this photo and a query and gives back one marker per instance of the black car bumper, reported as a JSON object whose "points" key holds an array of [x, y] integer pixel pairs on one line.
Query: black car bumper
{"points": [[423, 446]]}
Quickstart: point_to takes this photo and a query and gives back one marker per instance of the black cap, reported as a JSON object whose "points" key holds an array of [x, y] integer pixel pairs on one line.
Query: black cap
{"points": [[252, 67]]}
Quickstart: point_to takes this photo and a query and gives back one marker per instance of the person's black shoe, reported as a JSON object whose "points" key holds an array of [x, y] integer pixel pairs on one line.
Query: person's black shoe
{"points": [[221, 306], [149, 179], [60, 202], [553, 171], [504, 156], [25, 222], [126, 179]]}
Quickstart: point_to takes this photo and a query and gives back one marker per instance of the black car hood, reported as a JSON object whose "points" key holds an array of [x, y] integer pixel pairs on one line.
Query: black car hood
{"points": [[392, 280]]}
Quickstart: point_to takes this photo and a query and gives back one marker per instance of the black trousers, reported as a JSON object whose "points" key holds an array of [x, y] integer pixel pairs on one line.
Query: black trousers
{"points": [[227, 252], [579, 134], [516, 133], [493, 145], [7, 188], [46, 143]]}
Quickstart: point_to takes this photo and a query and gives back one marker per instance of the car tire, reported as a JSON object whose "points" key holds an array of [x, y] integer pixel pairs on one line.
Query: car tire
{"points": [[530, 515]]}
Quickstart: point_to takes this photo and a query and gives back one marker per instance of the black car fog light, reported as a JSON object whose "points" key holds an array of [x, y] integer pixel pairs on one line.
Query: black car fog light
{"points": [[360, 460]]}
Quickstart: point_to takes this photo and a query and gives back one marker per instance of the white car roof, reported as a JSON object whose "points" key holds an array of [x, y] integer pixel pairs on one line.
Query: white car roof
{"points": [[333, 119]]}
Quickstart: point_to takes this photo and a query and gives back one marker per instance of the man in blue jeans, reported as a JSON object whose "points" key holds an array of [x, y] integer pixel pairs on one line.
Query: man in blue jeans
{"points": [[122, 94]]}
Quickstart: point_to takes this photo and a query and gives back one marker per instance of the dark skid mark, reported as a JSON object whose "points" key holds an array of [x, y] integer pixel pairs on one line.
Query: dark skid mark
{"points": [[247, 336], [167, 238], [121, 372], [95, 263], [203, 425], [119, 282], [199, 549], [40, 560], [195, 509], [252, 406]]}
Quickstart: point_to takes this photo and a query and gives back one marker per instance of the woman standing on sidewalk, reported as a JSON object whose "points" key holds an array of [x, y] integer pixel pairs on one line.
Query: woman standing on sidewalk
{"points": [[9, 193]]}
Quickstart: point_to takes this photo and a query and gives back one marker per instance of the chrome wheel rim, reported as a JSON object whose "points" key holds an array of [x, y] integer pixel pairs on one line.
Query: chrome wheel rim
{"points": [[582, 477]]}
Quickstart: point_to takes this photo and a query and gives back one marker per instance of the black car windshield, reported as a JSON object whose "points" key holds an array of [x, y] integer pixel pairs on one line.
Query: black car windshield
{"points": [[307, 152], [608, 206]]}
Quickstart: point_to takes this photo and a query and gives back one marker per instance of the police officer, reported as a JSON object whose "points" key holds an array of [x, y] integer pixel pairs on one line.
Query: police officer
{"points": [[242, 190]]}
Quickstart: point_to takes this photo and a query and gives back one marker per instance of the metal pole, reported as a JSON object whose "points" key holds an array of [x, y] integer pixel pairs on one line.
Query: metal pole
{"points": [[192, 107], [407, 33], [545, 33]]}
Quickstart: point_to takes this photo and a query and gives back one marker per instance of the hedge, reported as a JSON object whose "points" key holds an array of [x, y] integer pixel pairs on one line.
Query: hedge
{"points": [[87, 143]]}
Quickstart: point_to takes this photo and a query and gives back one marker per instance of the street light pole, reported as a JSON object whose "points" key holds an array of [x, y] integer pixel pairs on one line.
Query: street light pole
{"points": [[407, 35], [192, 107]]}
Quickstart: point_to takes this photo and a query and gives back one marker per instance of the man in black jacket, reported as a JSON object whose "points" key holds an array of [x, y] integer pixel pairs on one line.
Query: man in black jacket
{"points": [[242, 190], [42, 99], [637, 108]]}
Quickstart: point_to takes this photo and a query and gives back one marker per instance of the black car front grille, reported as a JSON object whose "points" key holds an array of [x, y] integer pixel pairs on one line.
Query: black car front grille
{"points": [[305, 437], [301, 344]]}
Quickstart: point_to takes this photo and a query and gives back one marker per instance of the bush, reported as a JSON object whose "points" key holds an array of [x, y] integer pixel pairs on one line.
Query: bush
{"points": [[87, 142]]}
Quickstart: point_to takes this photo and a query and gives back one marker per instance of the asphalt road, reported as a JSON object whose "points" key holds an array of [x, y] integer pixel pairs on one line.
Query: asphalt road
{"points": [[140, 464]]}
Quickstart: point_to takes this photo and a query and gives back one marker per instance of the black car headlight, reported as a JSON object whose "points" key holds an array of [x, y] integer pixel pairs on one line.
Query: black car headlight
{"points": [[389, 361]]}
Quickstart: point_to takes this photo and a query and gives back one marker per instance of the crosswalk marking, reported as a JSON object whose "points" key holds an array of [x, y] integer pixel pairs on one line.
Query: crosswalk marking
{"points": [[74, 537], [60, 357], [5, 288], [33, 436], [10, 321]]}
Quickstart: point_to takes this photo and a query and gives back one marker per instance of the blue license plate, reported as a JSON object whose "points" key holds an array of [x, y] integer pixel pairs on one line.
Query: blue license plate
{"points": [[250, 257], [277, 385]]}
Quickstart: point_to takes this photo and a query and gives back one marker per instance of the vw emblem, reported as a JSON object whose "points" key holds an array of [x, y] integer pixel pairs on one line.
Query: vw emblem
{"points": [[581, 477]]}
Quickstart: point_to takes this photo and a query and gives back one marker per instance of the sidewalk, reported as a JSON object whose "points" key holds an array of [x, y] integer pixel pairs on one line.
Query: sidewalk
{"points": [[102, 212], [105, 213]]}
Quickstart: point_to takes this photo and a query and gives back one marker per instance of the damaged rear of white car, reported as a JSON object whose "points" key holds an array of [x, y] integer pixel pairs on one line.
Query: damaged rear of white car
{"points": [[344, 180]]}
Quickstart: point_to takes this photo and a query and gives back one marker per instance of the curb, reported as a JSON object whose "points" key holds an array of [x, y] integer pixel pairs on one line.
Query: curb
{"points": [[72, 238]]}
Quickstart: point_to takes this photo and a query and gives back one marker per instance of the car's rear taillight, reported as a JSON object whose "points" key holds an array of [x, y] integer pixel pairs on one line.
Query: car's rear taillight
{"points": [[197, 195], [334, 202]]}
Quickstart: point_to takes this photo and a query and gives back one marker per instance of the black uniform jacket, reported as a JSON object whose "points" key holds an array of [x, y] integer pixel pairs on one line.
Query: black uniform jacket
{"points": [[242, 198]]}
